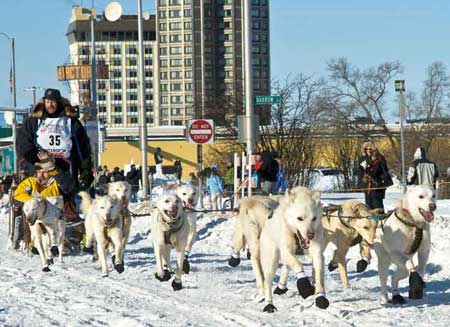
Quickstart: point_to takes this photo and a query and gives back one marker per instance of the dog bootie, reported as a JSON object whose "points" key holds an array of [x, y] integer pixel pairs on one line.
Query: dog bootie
{"points": [[234, 262], [54, 250], [176, 285], [119, 268], [361, 265], [165, 277], [186, 265], [304, 287], [34, 250], [416, 285], [398, 299], [46, 269], [249, 255], [280, 291], [332, 266], [322, 302], [270, 308]]}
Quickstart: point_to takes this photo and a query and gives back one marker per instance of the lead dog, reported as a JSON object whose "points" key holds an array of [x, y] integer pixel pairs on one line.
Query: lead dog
{"points": [[297, 218], [44, 215], [104, 226], [122, 191], [170, 229], [189, 194], [406, 232]]}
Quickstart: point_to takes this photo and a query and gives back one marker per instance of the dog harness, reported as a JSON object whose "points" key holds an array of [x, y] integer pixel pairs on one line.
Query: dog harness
{"points": [[171, 228], [418, 233]]}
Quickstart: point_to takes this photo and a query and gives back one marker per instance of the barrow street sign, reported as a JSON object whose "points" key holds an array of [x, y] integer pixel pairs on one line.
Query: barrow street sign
{"points": [[266, 99]]}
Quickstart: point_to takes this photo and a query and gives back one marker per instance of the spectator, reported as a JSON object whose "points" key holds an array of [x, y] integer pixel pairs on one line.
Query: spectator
{"points": [[116, 175], [423, 171], [178, 169], [133, 180], [214, 185], [193, 180], [158, 162], [281, 180], [267, 168], [103, 182], [374, 176]]}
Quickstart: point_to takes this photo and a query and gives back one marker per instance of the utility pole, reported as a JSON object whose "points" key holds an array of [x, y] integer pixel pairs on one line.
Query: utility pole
{"points": [[248, 86], [400, 88]]}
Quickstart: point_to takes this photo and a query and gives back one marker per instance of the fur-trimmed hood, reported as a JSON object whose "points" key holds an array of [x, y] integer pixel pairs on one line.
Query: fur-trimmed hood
{"points": [[69, 111]]}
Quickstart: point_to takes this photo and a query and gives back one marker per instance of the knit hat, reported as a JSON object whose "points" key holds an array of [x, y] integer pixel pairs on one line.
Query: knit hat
{"points": [[48, 164], [368, 145], [52, 94]]}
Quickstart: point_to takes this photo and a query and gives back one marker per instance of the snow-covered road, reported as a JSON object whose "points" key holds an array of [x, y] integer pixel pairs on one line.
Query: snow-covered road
{"points": [[214, 294]]}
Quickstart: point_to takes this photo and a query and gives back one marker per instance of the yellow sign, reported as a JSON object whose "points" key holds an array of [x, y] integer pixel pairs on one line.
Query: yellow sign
{"points": [[80, 72]]}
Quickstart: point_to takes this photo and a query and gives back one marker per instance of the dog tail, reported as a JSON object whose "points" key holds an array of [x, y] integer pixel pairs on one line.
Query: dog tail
{"points": [[86, 202]]}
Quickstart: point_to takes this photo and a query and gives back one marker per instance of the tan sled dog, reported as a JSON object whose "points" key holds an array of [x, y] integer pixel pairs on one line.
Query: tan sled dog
{"points": [[104, 226], [122, 191], [44, 216], [347, 226]]}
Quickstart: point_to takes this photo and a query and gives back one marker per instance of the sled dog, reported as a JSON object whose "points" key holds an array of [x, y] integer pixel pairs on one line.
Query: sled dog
{"points": [[297, 219], [404, 233], [189, 194], [170, 229], [122, 191], [47, 226], [103, 224], [350, 223]]}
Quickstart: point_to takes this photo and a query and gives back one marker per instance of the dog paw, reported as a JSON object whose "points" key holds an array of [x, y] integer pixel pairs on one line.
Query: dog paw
{"points": [[332, 266], [46, 269], [416, 285], [54, 250], [270, 308], [322, 302], [398, 299], [280, 291], [186, 266], [234, 262], [119, 268], [304, 287], [89, 250], [361, 265], [176, 285], [104, 275]]}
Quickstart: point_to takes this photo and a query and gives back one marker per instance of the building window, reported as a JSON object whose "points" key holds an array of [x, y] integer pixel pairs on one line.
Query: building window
{"points": [[175, 26], [187, 50], [174, 13], [133, 120], [117, 62], [162, 14], [117, 109], [175, 62], [132, 50], [163, 51], [101, 97], [132, 73], [148, 50], [132, 96], [175, 87], [164, 99], [162, 26], [187, 12], [175, 99], [175, 50], [116, 74], [132, 62], [132, 108], [188, 74], [117, 50], [116, 85], [102, 109], [163, 2], [148, 62], [163, 75], [187, 25], [148, 85], [187, 37], [117, 97], [132, 85], [149, 97], [188, 86], [117, 120], [189, 98], [175, 38], [175, 75], [163, 62], [188, 62], [163, 38], [174, 2], [163, 87]]}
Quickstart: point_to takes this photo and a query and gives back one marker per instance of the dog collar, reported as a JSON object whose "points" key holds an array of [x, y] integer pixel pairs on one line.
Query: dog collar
{"points": [[418, 233]]}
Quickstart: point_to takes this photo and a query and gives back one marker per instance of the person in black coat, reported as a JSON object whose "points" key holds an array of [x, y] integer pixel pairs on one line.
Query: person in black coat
{"points": [[374, 176], [158, 161], [267, 172], [133, 178], [53, 130]]}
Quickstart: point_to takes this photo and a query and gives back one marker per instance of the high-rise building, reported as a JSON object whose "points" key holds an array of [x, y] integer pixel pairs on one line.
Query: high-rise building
{"points": [[116, 47], [200, 58], [194, 58]]}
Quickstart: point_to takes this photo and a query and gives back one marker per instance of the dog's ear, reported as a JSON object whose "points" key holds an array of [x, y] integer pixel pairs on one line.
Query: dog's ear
{"points": [[316, 196]]}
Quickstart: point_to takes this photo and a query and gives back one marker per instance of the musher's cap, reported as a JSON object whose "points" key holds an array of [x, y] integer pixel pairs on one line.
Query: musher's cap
{"points": [[52, 94]]}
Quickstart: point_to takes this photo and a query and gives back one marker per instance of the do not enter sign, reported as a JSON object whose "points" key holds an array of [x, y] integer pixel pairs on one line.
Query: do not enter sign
{"points": [[200, 131]]}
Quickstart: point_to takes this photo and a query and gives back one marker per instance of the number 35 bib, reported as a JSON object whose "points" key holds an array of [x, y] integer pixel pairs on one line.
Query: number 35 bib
{"points": [[54, 136]]}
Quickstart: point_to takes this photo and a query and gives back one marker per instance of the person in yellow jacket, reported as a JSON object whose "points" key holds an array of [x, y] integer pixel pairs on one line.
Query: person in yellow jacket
{"points": [[42, 182]]}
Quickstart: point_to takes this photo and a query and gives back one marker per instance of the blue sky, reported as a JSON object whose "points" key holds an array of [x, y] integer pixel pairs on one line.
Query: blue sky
{"points": [[305, 35]]}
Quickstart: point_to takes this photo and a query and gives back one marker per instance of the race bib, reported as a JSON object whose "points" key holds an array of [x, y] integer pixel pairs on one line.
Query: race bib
{"points": [[54, 136]]}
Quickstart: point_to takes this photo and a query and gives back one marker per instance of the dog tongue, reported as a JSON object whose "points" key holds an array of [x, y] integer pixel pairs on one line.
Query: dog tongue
{"points": [[429, 216]]}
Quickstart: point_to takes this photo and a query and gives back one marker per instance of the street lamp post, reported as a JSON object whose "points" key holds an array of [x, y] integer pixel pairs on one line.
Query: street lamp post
{"points": [[400, 88], [13, 54], [33, 89]]}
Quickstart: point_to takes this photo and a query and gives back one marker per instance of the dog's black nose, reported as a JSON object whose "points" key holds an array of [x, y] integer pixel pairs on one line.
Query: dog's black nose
{"points": [[310, 235], [432, 206]]}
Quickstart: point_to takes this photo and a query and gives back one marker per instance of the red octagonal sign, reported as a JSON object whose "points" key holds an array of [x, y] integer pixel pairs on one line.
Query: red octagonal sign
{"points": [[201, 131]]}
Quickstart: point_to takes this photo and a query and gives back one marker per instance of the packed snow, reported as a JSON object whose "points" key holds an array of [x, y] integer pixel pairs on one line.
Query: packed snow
{"points": [[214, 294]]}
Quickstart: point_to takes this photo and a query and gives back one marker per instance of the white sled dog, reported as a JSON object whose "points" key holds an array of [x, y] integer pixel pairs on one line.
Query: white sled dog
{"points": [[104, 226], [350, 223], [47, 226], [253, 214], [169, 230], [297, 219], [406, 232], [122, 192], [189, 194]]}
